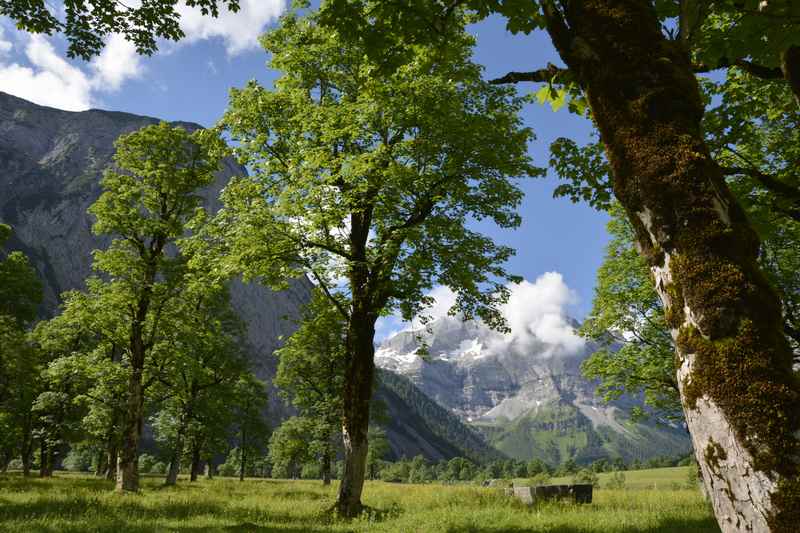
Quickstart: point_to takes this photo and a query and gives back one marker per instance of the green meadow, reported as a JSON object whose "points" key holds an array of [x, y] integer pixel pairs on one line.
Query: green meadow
{"points": [[75, 503]]}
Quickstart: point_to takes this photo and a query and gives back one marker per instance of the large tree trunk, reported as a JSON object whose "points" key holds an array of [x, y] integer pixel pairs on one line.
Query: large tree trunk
{"points": [[740, 397], [357, 394], [128, 460]]}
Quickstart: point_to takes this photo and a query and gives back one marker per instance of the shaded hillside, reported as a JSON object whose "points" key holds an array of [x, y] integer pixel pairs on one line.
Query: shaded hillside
{"points": [[416, 425]]}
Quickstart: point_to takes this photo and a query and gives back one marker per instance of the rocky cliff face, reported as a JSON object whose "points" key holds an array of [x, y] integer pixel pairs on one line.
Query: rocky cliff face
{"points": [[527, 395], [51, 163]]}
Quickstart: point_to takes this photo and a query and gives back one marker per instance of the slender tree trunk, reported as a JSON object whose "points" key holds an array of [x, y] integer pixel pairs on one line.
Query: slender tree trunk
{"points": [[128, 459], [177, 451], [102, 464], [45, 460], [196, 461], [27, 451], [326, 461], [357, 394], [209, 469], [740, 397], [242, 455], [790, 64], [112, 452]]}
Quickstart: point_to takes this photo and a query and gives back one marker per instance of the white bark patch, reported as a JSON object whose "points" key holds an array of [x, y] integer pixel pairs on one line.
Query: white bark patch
{"points": [[740, 495], [721, 207], [646, 216]]}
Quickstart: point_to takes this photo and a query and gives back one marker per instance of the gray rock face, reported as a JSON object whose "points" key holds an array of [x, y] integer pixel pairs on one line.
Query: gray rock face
{"points": [[527, 395], [51, 163], [479, 373]]}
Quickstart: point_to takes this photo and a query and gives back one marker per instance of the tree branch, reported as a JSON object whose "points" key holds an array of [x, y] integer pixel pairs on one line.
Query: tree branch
{"points": [[542, 75], [754, 69]]}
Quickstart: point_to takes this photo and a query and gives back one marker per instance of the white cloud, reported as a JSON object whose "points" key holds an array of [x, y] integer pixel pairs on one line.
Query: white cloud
{"points": [[50, 80], [46, 78], [240, 31], [117, 63], [536, 314], [5, 46]]}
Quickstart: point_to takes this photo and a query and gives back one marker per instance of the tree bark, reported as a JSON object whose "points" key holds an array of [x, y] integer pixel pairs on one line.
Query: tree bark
{"points": [[128, 459], [102, 464], [45, 460], [242, 455], [326, 461], [177, 451], [734, 366], [27, 452], [111, 464], [209, 469], [196, 461], [790, 65], [360, 374]]}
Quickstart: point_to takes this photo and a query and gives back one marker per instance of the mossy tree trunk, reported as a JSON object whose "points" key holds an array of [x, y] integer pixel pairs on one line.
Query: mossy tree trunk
{"points": [[734, 366]]}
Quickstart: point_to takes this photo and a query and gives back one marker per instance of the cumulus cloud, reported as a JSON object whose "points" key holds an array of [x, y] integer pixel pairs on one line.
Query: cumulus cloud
{"points": [[239, 31], [536, 313], [5, 45], [117, 63], [46, 78], [49, 80]]}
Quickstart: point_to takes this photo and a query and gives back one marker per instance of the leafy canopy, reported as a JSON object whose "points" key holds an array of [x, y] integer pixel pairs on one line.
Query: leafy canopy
{"points": [[374, 176], [20, 287], [86, 24]]}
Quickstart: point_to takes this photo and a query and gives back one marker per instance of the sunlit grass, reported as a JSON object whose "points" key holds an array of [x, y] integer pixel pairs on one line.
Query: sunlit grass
{"points": [[71, 503]]}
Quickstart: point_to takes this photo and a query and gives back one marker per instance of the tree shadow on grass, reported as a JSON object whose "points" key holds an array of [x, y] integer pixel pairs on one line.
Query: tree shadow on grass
{"points": [[668, 525], [92, 514]]}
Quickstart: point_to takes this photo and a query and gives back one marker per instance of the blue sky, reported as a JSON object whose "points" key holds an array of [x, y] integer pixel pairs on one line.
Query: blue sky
{"points": [[190, 81]]}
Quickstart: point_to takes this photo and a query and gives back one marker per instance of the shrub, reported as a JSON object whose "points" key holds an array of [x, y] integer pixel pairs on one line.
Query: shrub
{"points": [[585, 477], [542, 478], [616, 481]]}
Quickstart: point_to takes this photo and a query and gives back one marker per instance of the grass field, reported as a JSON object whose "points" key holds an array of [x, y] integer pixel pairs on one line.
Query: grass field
{"points": [[70, 503]]}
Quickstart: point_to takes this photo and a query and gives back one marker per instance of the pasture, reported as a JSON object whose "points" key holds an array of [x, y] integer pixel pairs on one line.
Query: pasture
{"points": [[81, 503]]}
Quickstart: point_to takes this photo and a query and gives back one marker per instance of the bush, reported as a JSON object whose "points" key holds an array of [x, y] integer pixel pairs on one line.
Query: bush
{"points": [[79, 459], [585, 477], [228, 469], [158, 468], [616, 481], [542, 478], [146, 462]]}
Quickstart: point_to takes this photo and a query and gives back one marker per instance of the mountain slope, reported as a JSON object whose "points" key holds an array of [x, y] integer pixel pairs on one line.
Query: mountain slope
{"points": [[525, 394], [417, 425]]}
